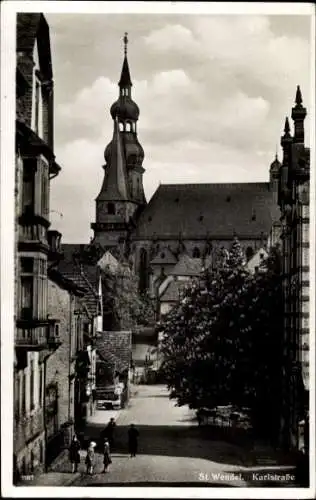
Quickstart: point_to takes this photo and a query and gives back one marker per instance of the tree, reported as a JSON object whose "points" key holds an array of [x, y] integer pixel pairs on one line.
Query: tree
{"points": [[221, 344], [123, 306], [126, 307]]}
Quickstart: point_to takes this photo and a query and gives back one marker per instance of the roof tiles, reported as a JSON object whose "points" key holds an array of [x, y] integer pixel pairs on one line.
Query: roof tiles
{"points": [[208, 210], [116, 348]]}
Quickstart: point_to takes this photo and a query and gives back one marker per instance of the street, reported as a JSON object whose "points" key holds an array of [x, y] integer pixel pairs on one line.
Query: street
{"points": [[172, 449]]}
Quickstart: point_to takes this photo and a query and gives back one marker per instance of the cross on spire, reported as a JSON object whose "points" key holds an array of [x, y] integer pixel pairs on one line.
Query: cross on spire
{"points": [[125, 39]]}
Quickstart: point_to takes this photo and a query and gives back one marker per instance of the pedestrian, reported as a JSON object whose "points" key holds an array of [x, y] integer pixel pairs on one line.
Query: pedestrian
{"points": [[133, 440], [90, 458], [109, 432], [106, 455], [74, 453]]}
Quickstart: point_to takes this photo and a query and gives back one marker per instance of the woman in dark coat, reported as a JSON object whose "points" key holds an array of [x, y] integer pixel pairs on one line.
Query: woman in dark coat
{"points": [[106, 455], [74, 455], [133, 440]]}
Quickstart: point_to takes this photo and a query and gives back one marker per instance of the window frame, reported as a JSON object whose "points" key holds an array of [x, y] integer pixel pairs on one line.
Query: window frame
{"points": [[28, 185]]}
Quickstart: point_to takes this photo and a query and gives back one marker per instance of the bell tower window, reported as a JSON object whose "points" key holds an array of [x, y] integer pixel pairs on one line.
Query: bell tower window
{"points": [[196, 254], [111, 208]]}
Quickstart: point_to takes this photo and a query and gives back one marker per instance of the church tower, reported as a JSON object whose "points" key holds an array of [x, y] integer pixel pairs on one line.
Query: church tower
{"points": [[122, 197]]}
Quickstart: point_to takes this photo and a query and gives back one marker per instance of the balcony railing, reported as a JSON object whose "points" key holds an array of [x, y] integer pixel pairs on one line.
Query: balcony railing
{"points": [[28, 428], [31, 338]]}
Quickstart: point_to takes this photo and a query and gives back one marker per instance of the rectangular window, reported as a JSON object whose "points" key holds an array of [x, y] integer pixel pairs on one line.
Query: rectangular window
{"points": [[27, 265], [26, 300], [28, 191], [32, 399]]}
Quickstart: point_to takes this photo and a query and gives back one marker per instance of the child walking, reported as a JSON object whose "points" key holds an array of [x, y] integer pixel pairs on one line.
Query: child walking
{"points": [[90, 458]]}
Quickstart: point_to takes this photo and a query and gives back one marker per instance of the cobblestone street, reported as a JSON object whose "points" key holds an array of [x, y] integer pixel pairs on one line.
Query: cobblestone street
{"points": [[172, 450]]}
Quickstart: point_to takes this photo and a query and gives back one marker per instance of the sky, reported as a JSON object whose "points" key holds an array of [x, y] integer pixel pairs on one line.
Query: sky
{"points": [[213, 93]]}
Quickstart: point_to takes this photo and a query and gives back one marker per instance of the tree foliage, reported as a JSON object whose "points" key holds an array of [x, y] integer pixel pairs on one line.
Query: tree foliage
{"points": [[222, 343], [127, 308], [123, 306]]}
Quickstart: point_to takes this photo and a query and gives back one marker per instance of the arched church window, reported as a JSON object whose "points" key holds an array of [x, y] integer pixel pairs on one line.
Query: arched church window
{"points": [[111, 208], [249, 253], [143, 271], [121, 126], [196, 253], [128, 127]]}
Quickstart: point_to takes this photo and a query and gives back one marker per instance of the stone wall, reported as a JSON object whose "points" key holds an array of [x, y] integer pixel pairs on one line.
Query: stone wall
{"points": [[59, 364]]}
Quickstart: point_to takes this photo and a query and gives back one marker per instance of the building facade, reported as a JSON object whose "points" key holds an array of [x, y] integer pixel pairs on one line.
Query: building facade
{"points": [[294, 203], [35, 167]]}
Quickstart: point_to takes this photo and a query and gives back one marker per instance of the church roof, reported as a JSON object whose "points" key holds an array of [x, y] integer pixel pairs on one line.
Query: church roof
{"points": [[187, 266], [213, 210], [164, 256]]}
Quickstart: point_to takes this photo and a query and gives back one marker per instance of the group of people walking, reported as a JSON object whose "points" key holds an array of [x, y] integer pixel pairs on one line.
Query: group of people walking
{"points": [[107, 443]]}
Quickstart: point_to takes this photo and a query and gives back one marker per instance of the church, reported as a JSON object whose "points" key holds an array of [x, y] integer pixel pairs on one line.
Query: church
{"points": [[197, 221]]}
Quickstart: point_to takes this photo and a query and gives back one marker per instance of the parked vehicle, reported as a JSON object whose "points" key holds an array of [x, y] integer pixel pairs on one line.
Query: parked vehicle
{"points": [[109, 398]]}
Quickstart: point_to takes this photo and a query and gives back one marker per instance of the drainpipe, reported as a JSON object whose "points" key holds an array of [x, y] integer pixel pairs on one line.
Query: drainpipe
{"points": [[44, 414], [44, 410], [69, 357]]}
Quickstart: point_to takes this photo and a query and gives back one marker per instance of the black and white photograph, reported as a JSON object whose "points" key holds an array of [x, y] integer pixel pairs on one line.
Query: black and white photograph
{"points": [[157, 242]]}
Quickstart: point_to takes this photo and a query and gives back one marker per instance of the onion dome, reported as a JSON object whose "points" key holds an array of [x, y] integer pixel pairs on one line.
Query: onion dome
{"points": [[134, 152], [275, 165], [125, 109]]}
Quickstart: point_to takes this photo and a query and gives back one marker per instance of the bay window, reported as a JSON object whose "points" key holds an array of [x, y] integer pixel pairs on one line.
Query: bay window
{"points": [[27, 287], [33, 288]]}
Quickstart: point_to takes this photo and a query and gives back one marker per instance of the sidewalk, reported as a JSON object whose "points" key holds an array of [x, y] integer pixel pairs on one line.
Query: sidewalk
{"points": [[59, 471]]}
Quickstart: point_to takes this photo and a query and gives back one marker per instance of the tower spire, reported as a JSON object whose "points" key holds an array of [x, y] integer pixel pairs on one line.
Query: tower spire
{"points": [[298, 116], [287, 130], [298, 97], [125, 39], [125, 82]]}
